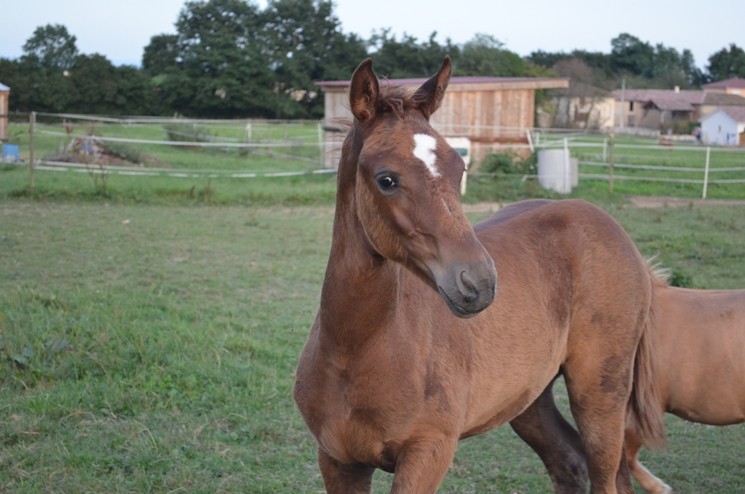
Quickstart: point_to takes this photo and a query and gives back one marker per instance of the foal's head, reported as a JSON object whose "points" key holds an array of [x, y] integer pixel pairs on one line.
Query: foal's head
{"points": [[406, 190]]}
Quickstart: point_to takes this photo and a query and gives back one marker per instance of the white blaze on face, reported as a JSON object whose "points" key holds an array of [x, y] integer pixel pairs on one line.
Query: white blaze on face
{"points": [[424, 150]]}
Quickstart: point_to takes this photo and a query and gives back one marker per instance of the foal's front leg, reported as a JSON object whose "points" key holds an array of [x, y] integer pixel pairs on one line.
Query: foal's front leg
{"points": [[339, 478], [422, 465]]}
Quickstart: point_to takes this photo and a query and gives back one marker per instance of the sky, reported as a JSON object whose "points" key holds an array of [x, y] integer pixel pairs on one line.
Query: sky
{"points": [[120, 29]]}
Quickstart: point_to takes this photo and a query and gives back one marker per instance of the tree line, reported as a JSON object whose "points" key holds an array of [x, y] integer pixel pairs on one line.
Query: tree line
{"points": [[232, 59]]}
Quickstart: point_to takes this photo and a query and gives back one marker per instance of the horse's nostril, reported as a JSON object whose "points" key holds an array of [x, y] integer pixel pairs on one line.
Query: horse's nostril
{"points": [[467, 287]]}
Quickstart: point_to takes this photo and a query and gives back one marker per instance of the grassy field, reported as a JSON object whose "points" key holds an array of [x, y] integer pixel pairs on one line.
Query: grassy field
{"points": [[149, 347]]}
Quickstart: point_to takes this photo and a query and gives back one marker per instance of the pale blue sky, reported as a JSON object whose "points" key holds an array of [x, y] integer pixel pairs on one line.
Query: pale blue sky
{"points": [[121, 29]]}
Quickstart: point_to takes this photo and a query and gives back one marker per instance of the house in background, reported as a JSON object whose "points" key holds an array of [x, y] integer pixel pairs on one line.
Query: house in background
{"points": [[581, 106], [489, 111], [662, 109], [4, 96], [725, 127], [734, 86]]}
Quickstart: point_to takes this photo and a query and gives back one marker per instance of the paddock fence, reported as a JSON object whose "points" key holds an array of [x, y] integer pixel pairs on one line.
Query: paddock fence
{"points": [[245, 149]]}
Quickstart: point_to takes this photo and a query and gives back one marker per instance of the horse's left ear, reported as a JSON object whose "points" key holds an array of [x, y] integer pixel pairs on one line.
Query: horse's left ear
{"points": [[429, 96]]}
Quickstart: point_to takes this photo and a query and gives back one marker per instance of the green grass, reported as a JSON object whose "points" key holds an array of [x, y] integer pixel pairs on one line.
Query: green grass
{"points": [[150, 348]]}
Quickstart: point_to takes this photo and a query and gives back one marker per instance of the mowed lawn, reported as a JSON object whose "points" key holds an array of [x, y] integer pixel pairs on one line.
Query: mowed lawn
{"points": [[151, 349]]}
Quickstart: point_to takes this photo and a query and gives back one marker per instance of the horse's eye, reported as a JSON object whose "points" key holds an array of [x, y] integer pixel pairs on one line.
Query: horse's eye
{"points": [[387, 183]]}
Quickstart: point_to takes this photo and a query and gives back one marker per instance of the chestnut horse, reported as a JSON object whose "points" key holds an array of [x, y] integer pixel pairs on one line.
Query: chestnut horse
{"points": [[699, 338], [413, 347]]}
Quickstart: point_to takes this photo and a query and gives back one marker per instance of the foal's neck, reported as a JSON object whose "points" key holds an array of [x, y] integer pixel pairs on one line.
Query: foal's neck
{"points": [[361, 288]]}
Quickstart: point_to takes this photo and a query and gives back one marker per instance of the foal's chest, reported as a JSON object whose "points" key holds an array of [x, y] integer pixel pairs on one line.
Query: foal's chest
{"points": [[357, 414]]}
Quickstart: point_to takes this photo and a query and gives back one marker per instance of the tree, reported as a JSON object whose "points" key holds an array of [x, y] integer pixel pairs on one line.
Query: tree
{"points": [[52, 46], [486, 55], [630, 54], [223, 61], [161, 54], [408, 58], [306, 45], [727, 63], [103, 89]]}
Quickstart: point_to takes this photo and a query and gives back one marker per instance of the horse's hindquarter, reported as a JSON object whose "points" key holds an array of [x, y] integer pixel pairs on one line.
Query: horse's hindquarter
{"points": [[700, 340]]}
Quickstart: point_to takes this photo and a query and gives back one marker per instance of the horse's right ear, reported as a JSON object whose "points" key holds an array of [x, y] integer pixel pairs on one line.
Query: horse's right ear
{"points": [[363, 92]]}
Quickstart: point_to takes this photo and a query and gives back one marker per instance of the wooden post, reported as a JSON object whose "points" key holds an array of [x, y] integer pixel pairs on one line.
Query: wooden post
{"points": [[706, 170], [611, 160], [31, 125]]}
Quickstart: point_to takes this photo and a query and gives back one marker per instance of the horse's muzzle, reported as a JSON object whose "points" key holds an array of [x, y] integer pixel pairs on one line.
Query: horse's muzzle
{"points": [[468, 289]]}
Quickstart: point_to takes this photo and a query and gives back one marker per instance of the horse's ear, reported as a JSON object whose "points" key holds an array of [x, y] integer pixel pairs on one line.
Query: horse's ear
{"points": [[363, 92], [429, 96]]}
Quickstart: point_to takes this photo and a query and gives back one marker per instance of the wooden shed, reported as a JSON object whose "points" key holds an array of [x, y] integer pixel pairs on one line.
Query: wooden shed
{"points": [[4, 96], [489, 111]]}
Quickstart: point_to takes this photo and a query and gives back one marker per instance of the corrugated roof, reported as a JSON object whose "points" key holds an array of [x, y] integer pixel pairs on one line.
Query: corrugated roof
{"points": [[735, 82], [563, 82]]}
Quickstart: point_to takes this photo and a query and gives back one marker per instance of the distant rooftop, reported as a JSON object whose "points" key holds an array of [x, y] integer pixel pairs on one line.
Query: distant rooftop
{"points": [[667, 99], [736, 82], [737, 114], [3, 87]]}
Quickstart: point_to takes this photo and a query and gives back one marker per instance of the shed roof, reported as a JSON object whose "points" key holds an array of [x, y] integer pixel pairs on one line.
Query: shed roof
{"points": [[735, 82], [3, 87], [469, 82]]}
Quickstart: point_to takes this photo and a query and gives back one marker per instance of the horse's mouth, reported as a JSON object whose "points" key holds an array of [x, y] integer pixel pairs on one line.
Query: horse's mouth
{"points": [[456, 309]]}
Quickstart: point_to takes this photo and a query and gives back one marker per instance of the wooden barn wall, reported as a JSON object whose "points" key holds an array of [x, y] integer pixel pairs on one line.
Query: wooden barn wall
{"points": [[4, 96], [488, 117]]}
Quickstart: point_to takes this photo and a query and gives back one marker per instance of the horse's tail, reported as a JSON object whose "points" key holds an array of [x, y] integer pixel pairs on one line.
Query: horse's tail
{"points": [[645, 413]]}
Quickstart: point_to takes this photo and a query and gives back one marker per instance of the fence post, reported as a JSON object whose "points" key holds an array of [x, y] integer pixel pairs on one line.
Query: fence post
{"points": [[706, 170], [31, 125], [611, 160], [321, 143], [567, 167]]}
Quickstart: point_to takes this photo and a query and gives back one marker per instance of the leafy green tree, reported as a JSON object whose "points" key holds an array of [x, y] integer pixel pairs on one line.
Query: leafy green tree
{"points": [[486, 55], [168, 85], [306, 45], [727, 63], [161, 54], [223, 61], [408, 58], [104, 89], [16, 78], [52, 46], [632, 55]]}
